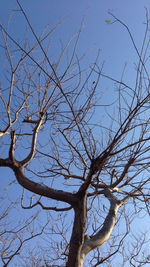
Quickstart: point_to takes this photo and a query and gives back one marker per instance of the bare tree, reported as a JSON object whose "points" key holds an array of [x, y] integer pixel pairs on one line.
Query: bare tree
{"points": [[66, 148]]}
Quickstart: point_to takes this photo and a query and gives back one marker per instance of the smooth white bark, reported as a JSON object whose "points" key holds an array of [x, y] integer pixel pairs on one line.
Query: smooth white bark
{"points": [[103, 235]]}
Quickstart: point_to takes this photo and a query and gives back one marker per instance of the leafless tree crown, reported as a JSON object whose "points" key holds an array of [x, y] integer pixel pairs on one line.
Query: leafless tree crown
{"points": [[72, 151]]}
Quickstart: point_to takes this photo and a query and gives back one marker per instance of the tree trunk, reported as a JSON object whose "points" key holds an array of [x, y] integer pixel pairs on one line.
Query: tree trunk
{"points": [[103, 235], [77, 238]]}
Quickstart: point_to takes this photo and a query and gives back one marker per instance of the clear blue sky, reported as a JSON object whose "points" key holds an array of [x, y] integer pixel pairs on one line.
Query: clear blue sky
{"points": [[116, 48], [96, 34], [96, 31]]}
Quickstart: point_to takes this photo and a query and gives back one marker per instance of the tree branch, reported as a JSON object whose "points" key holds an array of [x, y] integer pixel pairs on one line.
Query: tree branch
{"points": [[42, 190], [103, 235], [33, 146]]}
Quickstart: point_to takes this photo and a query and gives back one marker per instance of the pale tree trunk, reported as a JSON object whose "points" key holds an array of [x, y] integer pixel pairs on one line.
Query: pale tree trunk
{"points": [[103, 235]]}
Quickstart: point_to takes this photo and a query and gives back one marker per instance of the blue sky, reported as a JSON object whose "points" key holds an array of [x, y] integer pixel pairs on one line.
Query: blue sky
{"points": [[95, 31], [111, 39], [96, 34]]}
